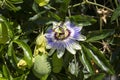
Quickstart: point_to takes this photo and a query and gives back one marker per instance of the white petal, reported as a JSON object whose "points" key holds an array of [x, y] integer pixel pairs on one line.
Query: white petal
{"points": [[76, 46], [60, 53], [51, 52], [48, 46], [81, 38], [70, 49], [55, 24]]}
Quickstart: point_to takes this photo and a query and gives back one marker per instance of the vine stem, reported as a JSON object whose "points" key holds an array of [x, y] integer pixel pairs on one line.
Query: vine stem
{"points": [[96, 6], [116, 2], [101, 24], [78, 4], [89, 2], [93, 3]]}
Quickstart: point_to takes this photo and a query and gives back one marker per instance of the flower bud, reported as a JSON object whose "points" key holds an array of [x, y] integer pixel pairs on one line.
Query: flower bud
{"points": [[40, 44]]}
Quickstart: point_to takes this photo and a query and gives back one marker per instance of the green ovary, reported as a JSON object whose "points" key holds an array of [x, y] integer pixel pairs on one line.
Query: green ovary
{"points": [[41, 66]]}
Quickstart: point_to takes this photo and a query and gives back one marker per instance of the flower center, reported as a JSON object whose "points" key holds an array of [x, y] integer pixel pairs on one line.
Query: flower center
{"points": [[62, 34]]}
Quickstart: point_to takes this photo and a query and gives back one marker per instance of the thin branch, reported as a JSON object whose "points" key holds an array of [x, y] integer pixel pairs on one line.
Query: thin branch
{"points": [[89, 2]]}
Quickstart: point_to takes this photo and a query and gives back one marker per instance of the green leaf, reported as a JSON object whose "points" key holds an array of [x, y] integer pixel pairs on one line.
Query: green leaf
{"points": [[57, 63], [35, 7], [83, 20], [6, 72], [86, 61], [10, 49], [67, 58], [55, 16], [99, 58], [10, 6], [2, 78], [37, 16], [98, 76], [63, 8], [11, 55], [3, 33], [116, 14], [27, 52], [98, 35], [116, 40], [16, 1], [22, 77], [115, 60], [7, 25]]}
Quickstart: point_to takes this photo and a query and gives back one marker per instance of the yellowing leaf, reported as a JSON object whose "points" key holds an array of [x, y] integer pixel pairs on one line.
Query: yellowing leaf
{"points": [[42, 2]]}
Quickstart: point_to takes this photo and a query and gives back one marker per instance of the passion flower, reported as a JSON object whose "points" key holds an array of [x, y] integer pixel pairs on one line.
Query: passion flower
{"points": [[64, 36]]}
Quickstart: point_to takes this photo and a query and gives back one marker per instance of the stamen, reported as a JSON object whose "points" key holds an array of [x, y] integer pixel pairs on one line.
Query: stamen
{"points": [[62, 35]]}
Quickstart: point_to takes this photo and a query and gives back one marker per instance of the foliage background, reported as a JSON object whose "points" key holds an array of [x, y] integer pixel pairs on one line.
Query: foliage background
{"points": [[21, 21]]}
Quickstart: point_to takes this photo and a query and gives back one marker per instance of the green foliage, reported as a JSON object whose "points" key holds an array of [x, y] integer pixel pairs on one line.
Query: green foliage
{"points": [[99, 35], [116, 14], [3, 31], [42, 2], [84, 58], [6, 72], [99, 76], [57, 64], [83, 20], [27, 52], [21, 21], [63, 8], [98, 58]]}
